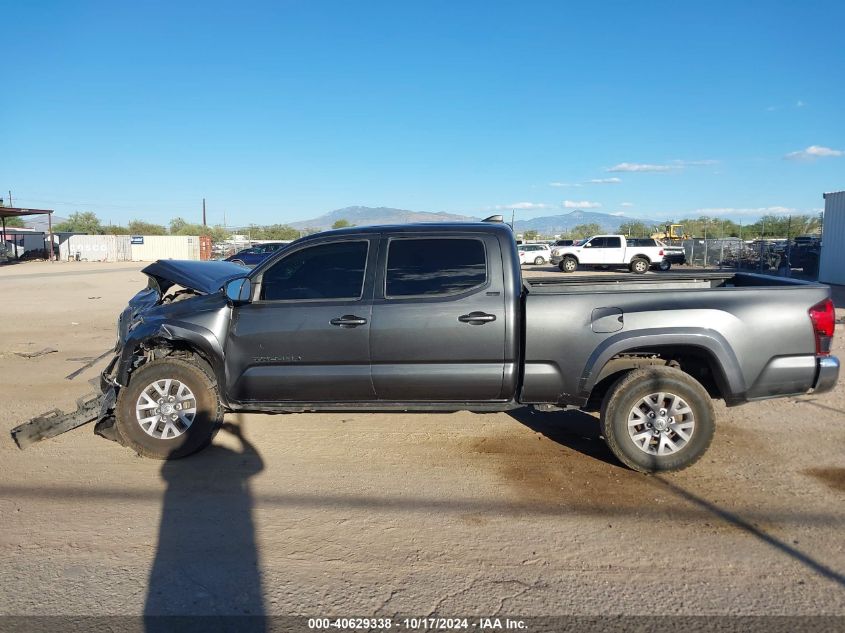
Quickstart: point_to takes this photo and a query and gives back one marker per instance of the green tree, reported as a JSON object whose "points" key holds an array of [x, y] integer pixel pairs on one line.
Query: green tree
{"points": [[635, 228], [342, 224], [530, 234], [14, 222], [585, 230], [116, 229], [81, 222], [274, 232], [139, 227]]}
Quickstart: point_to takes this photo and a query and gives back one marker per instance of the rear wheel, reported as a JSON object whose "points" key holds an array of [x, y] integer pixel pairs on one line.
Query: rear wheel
{"points": [[665, 265], [539, 260], [657, 419], [170, 409], [639, 265], [568, 264]]}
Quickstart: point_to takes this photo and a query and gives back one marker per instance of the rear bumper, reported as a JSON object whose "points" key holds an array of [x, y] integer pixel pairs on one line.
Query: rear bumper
{"points": [[827, 373]]}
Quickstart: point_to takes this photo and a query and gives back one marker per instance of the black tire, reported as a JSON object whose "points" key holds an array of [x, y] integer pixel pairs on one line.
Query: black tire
{"points": [[206, 421], [639, 265], [664, 265], [624, 396], [568, 264], [538, 261]]}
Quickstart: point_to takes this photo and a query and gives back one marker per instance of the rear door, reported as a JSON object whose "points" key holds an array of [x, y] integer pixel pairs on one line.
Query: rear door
{"points": [[438, 324], [305, 335], [613, 251]]}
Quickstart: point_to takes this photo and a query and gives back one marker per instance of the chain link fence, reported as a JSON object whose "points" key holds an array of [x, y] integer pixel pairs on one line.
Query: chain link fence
{"points": [[774, 257]]}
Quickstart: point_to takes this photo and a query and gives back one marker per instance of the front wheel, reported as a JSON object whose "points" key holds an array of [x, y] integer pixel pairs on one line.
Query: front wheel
{"points": [[170, 409], [657, 419], [568, 264]]}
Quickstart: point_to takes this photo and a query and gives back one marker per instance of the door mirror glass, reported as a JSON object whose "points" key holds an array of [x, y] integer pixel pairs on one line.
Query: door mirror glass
{"points": [[239, 290], [587, 245]]}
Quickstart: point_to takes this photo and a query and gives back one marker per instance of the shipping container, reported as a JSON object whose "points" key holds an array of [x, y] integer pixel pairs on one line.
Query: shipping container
{"points": [[96, 248], [149, 248], [832, 262], [19, 242]]}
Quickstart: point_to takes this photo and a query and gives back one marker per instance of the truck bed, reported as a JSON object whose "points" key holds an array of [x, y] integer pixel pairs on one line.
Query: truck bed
{"points": [[566, 284], [754, 330]]}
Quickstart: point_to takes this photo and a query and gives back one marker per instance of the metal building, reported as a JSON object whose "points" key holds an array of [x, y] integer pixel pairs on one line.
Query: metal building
{"points": [[832, 262]]}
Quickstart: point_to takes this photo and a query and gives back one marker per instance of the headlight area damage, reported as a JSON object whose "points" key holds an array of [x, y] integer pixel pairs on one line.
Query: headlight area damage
{"points": [[156, 323]]}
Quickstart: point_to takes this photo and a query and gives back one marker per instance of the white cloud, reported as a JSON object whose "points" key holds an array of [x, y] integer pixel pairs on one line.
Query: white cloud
{"points": [[627, 204], [580, 204], [617, 213], [641, 167], [604, 181], [523, 206], [653, 167], [813, 152], [564, 184]]}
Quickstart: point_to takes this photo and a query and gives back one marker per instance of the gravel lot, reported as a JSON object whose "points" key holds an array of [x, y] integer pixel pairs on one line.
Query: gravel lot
{"points": [[362, 514]]}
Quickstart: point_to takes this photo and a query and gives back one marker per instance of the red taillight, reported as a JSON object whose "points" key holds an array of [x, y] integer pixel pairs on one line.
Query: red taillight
{"points": [[823, 316], [661, 252]]}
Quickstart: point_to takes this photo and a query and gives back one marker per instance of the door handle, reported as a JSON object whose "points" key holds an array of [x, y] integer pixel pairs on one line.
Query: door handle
{"points": [[348, 320], [477, 318]]}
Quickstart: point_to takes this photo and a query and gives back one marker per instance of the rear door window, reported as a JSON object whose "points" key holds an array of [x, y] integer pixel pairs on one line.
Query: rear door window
{"points": [[434, 267]]}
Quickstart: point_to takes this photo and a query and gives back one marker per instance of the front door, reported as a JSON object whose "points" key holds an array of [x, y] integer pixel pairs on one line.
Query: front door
{"points": [[438, 326], [305, 335], [592, 251]]}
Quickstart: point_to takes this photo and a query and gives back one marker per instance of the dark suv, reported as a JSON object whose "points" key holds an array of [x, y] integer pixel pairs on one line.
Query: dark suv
{"points": [[254, 255]]}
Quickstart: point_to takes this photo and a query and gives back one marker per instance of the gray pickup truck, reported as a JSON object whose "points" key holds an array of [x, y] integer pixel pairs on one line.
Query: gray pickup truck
{"points": [[437, 317]]}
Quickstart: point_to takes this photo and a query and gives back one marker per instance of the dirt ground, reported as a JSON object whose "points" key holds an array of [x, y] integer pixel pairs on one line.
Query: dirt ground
{"points": [[414, 514]]}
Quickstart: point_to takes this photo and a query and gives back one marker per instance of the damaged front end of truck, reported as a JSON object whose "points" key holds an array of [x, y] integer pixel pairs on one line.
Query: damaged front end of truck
{"points": [[182, 312]]}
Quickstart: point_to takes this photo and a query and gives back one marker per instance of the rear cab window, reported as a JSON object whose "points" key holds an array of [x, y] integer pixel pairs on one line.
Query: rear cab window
{"points": [[431, 267]]}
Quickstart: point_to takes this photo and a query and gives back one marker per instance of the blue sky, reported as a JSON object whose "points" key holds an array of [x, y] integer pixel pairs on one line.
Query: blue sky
{"points": [[280, 111]]}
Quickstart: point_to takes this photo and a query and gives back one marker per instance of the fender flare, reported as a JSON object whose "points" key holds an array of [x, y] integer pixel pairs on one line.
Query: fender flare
{"points": [[200, 338], [731, 381]]}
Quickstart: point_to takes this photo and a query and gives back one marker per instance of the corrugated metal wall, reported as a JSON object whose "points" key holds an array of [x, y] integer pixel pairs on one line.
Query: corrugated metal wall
{"points": [[96, 248], [166, 247], [832, 263], [119, 248]]}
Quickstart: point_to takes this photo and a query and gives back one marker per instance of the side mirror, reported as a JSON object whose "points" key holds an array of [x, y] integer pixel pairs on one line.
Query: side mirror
{"points": [[239, 290], [587, 245]]}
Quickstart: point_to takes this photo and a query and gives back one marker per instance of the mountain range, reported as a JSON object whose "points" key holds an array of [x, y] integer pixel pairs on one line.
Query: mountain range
{"points": [[547, 225]]}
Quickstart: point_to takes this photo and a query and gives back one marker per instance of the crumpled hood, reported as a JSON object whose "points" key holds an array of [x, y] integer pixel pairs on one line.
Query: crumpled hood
{"points": [[207, 277]]}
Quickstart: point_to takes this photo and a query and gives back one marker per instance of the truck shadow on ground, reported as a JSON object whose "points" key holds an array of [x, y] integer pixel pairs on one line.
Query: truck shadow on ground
{"points": [[207, 560], [580, 432]]}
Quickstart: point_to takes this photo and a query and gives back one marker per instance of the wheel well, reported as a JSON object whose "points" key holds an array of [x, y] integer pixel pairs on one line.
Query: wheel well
{"points": [[570, 255], [695, 361], [641, 256], [157, 348]]}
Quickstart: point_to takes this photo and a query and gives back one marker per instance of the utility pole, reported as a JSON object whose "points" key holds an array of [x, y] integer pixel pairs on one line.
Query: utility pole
{"points": [[11, 204], [203, 212]]}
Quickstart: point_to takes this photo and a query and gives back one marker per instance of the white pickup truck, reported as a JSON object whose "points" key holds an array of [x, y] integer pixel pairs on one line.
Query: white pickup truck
{"points": [[608, 250]]}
